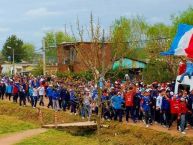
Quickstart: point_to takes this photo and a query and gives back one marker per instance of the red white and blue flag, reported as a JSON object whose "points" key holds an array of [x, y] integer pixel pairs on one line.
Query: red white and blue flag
{"points": [[182, 44]]}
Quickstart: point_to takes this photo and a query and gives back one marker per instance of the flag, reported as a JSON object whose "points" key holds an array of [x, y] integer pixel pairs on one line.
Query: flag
{"points": [[182, 44]]}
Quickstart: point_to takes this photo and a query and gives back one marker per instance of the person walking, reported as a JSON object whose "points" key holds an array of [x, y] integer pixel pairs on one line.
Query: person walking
{"points": [[86, 105], [175, 110], [22, 96], [49, 91], [129, 95], [117, 101], [145, 107], [9, 89], [55, 99], [15, 92], [182, 115], [41, 91], [165, 109], [34, 97]]}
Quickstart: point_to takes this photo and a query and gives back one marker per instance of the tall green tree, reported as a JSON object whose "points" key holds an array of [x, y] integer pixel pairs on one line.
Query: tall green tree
{"points": [[185, 17], [29, 50], [121, 31], [127, 35], [38, 70], [52, 39], [159, 39], [15, 43]]}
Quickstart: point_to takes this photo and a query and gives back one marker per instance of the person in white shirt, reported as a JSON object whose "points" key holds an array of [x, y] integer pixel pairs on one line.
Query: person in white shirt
{"points": [[158, 113], [41, 91], [86, 105], [34, 97]]}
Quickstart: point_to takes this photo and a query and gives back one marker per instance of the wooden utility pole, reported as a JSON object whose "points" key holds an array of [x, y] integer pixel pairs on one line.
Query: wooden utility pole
{"points": [[44, 56], [40, 116], [55, 119]]}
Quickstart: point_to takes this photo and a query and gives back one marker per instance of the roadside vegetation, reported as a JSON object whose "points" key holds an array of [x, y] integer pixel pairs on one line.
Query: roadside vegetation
{"points": [[117, 134], [13, 124]]}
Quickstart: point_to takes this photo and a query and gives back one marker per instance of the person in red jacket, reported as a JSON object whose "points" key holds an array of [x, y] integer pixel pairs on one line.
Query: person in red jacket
{"points": [[15, 92], [175, 110], [129, 95], [182, 115], [182, 67]]}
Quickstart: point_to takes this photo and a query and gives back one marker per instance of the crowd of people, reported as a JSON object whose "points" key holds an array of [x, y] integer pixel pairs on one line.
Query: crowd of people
{"points": [[134, 101]]}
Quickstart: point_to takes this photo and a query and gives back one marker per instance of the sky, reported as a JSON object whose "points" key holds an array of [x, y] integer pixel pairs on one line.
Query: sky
{"points": [[31, 19]]}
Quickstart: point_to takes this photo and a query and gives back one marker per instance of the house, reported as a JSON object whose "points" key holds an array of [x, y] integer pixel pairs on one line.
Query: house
{"points": [[23, 67], [69, 60], [129, 63], [51, 69], [133, 67]]}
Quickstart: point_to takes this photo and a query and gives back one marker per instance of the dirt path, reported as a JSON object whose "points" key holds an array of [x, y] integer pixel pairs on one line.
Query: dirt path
{"points": [[17, 137], [172, 131]]}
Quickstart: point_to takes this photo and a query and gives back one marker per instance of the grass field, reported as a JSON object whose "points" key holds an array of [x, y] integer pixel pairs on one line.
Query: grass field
{"points": [[21, 118], [54, 137], [31, 115], [12, 124], [117, 134]]}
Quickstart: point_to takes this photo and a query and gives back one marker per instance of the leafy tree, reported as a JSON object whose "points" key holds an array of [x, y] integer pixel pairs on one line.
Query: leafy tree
{"points": [[29, 50], [184, 17], [158, 71], [52, 39], [127, 35], [63, 37], [159, 36], [120, 35], [15, 43], [38, 70]]}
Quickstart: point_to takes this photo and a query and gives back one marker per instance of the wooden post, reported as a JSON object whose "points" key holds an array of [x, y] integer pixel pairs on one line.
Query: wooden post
{"points": [[40, 116], [99, 115], [55, 119]]}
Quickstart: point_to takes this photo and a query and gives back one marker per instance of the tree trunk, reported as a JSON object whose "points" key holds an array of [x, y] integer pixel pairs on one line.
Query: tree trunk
{"points": [[99, 113]]}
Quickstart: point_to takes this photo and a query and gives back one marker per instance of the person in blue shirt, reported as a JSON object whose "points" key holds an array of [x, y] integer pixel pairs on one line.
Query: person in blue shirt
{"points": [[73, 101], [9, 89], [117, 101], [136, 105], [145, 107], [49, 95], [190, 108], [188, 72], [55, 99], [165, 109], [65, 97], [30, 91]]}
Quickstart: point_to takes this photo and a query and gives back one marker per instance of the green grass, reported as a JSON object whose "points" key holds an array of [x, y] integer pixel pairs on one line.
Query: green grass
{"points": [[54, 137], [117, 134], [123, 134], [31, 115], [13, 124], [22, 118]]}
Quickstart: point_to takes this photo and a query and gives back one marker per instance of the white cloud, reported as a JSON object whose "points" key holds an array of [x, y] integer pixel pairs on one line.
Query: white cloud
{"points": [[42, 12]]}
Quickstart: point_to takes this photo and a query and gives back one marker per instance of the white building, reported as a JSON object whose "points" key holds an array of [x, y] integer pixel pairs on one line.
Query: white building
{"points": [[7, 68]]}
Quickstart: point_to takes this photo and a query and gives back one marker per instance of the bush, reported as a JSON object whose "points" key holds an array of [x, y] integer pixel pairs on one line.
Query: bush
{"points": [[159, 71], [87, 75]]}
